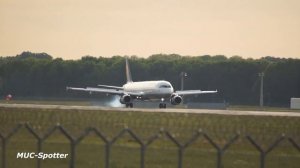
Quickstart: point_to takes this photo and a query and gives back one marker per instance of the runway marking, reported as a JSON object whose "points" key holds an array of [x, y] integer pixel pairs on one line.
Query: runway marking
{"points": [[170, 110]]}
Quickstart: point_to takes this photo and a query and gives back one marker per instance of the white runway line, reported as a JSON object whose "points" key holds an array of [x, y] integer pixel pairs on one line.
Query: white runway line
{"points": [[170, 110]]}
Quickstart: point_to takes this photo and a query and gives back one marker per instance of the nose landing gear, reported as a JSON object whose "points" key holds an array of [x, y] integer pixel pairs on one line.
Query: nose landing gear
{"points": [[162, 104]]}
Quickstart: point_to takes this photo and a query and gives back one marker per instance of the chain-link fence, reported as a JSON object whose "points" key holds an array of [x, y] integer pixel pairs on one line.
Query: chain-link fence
{"points": [[220, 147], [127, 139]]}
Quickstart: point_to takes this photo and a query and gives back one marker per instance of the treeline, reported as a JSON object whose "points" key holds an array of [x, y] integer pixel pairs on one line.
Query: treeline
{"points": [[236, 79]]}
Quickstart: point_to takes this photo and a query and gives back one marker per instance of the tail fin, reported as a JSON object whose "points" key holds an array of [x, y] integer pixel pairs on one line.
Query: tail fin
{"points": [[128, 73]]}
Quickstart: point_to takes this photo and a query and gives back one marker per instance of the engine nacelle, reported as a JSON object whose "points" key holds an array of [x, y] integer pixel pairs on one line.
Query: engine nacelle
{"points": [[176, 99], [125, 99]]}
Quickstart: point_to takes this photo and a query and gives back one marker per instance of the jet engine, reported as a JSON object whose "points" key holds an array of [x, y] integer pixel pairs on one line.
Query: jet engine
{"points": [[125, 99], [176, 99]]}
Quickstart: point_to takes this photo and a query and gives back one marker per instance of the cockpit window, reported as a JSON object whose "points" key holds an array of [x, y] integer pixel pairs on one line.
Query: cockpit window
{"points": [[164, 86]]}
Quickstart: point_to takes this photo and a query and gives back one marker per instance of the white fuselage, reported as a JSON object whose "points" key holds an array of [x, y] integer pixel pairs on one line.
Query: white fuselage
{"points": [[150, 89]]}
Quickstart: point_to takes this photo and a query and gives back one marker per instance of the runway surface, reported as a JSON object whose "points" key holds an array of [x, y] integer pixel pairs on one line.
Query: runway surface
{"points": [[170, 110]]}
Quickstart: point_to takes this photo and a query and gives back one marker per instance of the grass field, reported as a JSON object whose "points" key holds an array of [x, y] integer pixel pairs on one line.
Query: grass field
{"points": [[125, 152], [258, 108], [48, 102], [93, 102]]}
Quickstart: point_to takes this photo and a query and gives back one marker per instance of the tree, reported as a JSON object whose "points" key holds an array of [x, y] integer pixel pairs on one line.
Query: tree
{"points": [[236, 79]]}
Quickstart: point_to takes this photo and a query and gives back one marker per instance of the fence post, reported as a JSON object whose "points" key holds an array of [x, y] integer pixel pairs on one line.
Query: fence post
{"points": [[39, 141], [262, 159], [220, 151], [180, 148], [4, 143], [219, 158], [143, 149], [72, 144], [3, 153], [263, 152], [107, 154], [180, 156], [39, 150], [72, 159]]}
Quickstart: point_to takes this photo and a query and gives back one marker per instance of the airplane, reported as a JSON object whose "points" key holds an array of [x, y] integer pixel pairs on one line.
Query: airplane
{"points": [[143, 90]]}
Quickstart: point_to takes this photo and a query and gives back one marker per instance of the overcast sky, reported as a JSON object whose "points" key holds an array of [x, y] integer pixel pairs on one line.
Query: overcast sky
{"points": [[73, 28]]}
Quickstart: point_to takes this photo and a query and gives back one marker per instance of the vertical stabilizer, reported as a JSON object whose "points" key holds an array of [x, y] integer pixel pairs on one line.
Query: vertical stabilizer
{"points": [[128, 73]]}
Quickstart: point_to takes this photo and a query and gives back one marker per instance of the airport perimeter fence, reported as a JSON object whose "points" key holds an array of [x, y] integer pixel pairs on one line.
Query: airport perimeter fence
{"points": [[143, 144]]}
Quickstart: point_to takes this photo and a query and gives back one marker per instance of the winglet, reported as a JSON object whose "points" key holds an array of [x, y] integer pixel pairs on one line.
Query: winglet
{"points": [[128, 73]]}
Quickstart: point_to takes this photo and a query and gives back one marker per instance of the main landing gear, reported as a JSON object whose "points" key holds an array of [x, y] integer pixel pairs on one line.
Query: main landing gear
{"points": [[129, 105], [162, 104]]}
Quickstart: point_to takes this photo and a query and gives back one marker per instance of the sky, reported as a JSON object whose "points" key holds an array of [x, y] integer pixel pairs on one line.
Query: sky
{"points": [[71, 29]]}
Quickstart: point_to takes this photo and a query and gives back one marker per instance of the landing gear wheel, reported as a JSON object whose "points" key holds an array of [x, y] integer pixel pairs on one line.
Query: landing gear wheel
{"points": [[162, 105], [129, 105]]}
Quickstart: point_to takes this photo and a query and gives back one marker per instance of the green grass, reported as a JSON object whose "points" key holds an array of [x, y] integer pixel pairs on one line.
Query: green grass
{"points": [[125, 152], [82, 102], [47, 102], [258, 108]]}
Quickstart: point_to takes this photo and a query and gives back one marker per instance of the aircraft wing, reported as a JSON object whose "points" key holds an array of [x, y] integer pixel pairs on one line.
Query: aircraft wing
{"points": [[193, 92], [104, 90], [111, 87], [101, 90]]}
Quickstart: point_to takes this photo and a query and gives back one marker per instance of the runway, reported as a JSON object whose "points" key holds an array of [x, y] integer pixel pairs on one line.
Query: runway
{"points": [[170, 110]]}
